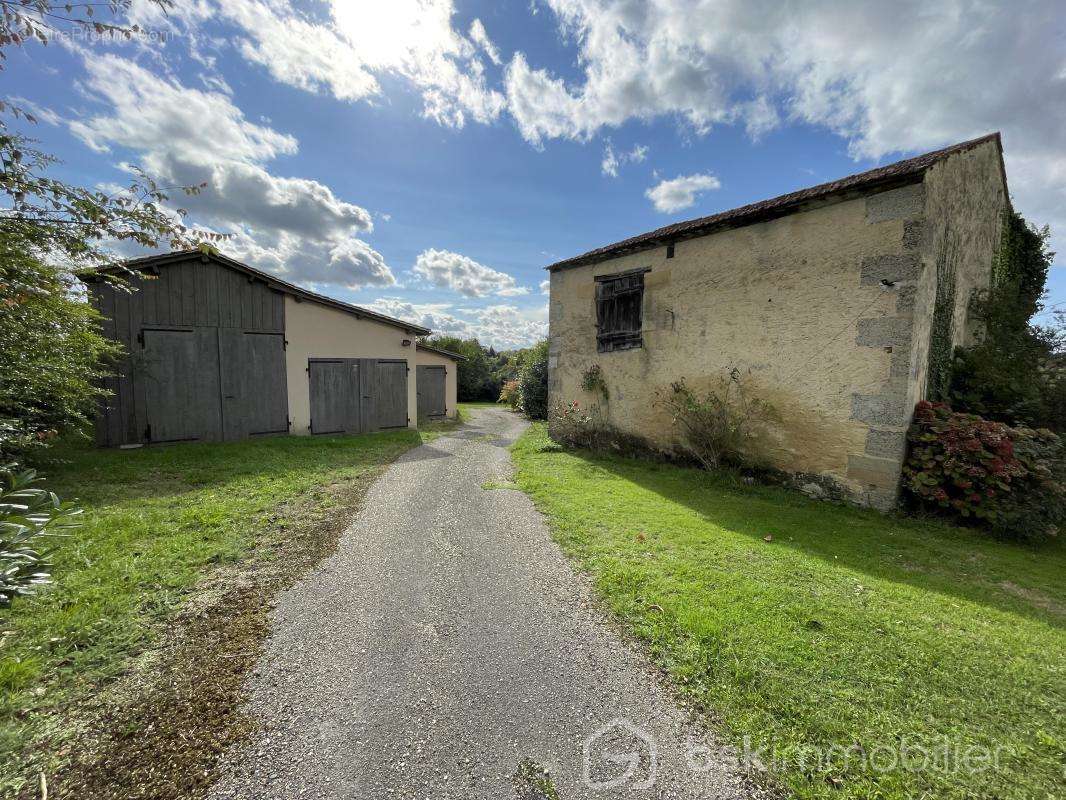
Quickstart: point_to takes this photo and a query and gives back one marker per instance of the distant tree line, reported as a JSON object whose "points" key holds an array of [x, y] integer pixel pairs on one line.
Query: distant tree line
{"points": [[518, 377]]}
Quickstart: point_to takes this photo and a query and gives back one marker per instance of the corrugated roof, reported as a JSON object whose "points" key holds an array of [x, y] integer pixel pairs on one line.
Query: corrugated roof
{"points": [[284, 286], [881, 177]]}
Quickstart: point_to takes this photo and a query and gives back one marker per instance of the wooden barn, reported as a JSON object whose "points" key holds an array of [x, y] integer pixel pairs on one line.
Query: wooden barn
{"points": [[219, 351]]}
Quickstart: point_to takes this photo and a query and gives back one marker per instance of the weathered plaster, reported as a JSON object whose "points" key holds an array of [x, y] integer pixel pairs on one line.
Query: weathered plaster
{"points": [[825, 312]]}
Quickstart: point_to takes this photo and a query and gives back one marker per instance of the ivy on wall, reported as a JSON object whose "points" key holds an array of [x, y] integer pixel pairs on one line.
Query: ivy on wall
{"points": [[1012, 373], [942, 331]]}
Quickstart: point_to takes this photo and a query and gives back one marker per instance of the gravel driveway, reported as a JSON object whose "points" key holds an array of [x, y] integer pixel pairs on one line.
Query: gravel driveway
{"points": [[448, 650]]}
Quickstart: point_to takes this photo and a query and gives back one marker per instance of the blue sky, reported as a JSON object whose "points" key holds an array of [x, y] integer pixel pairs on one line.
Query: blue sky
{"points": [[429, 158]]}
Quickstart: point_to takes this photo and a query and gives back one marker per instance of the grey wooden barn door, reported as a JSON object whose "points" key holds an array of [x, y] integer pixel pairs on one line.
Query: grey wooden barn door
{"points": [[254, 396], [389, 393], [336, 396], [181, 385], [431, 383]]}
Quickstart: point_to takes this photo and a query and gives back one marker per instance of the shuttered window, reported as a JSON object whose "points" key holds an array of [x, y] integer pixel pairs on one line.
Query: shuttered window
{"points": [[619, 311]]}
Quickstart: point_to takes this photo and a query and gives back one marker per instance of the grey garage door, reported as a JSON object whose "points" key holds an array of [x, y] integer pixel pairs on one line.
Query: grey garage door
{"points": [[388, 393], [254, 396], [181, 385], [431, 382], [336, 396], [357, 395]]}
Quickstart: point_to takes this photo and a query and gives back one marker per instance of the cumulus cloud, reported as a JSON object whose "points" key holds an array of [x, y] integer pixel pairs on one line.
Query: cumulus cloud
{"points": [[447, 270], [888, 77], [613, 161], [362, 42], [681, 192], [295, 227], [545, 286], [504, 327], [435, 316]]}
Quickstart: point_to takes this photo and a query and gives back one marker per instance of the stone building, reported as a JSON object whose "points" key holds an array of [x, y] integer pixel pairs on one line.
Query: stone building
{"points": [[839, 305]]}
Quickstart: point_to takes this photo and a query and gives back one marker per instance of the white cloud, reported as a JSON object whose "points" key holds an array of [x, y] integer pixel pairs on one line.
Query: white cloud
{"points": [[507, 327], [613, 162], [39, 112], [638, 154], [480, 37], [295, 227], [435, 316], [681, 192], [447, 270], [364, 41], [888, 77], [545, 286], [504, 327]]}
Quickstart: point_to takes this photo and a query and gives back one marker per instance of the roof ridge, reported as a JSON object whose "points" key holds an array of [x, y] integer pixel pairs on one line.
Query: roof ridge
{"points": [[773, 206], [292, 288]]}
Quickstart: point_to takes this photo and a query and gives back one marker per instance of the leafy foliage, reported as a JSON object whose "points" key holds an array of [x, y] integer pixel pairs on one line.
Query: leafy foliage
{"points": [[52, 234], [52, 354], [510, 394], [1011, 374], [726, 425], [1012, 480], [27, 515], [71, 223], [533, 382], [592, 381], [516, 377], [475, 379], [576, 426], [24, 21]]}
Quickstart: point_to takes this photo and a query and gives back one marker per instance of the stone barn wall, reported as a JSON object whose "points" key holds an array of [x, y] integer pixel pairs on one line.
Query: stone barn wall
{"points": [[798, 306]]}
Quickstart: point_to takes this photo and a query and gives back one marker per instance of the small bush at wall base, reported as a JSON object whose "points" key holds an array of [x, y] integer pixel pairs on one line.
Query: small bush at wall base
{"points": [[725, 426], [1010, 480], [573, 425]]}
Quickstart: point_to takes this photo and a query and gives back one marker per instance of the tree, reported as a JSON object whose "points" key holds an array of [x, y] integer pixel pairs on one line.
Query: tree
{"points": [[1013, 373], [52, 355], [52, 234], [475, 379], [24, 21], [71, 226]]}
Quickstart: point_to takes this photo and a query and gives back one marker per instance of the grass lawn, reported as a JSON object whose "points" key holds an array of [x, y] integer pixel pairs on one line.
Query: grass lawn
{"points": [[157, 519], [849, 630]]}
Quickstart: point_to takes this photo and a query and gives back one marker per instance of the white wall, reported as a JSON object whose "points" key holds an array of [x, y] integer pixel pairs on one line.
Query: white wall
{"points": [[451, 379], [313, 330]]}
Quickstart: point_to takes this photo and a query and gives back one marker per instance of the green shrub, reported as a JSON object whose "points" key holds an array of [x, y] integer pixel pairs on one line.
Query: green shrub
{"points": [[510, 394], [533, 382], [1012, 373], [52, 355], [28, 514], [573, 425], [1011, 480], [726, 425], [1036, 509]]}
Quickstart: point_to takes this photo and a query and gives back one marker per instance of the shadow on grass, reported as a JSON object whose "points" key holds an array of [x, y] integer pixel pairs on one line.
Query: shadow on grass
{"points": [[102, 477], [925, 554]]}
